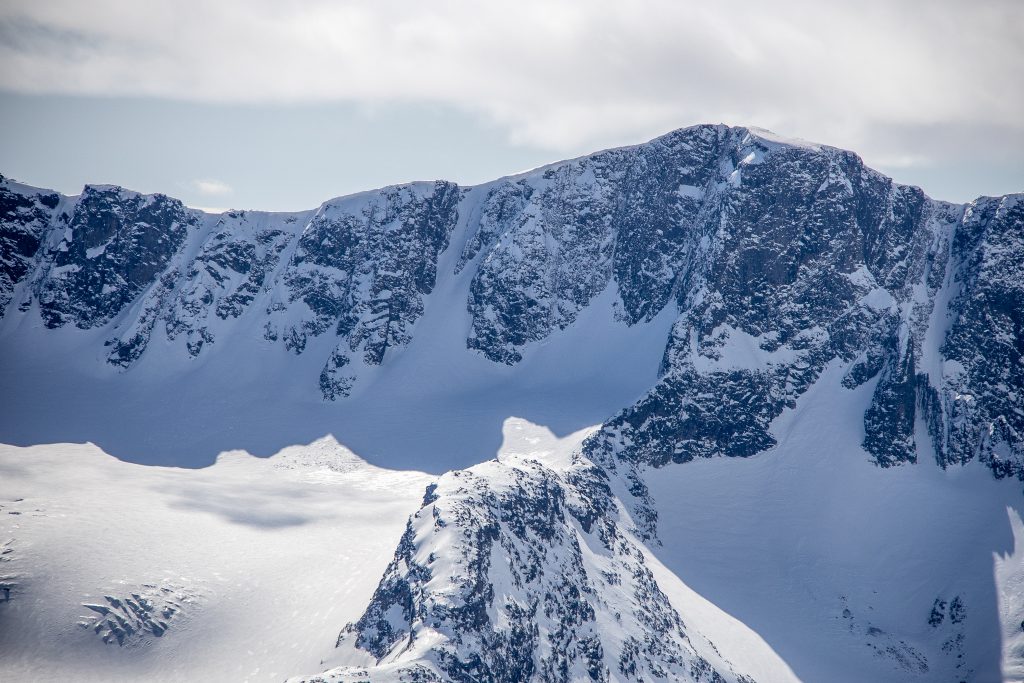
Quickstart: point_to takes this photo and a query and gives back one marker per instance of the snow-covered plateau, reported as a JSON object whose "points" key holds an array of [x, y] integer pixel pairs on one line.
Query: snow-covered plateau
{"points": [[718, 407]]}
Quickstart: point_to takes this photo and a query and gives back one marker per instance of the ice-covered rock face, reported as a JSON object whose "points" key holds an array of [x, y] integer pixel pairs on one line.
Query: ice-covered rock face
{"points": [[197, 296], [778, 259], [804, 257], [223, 280], [358, 268], [551, 241]]}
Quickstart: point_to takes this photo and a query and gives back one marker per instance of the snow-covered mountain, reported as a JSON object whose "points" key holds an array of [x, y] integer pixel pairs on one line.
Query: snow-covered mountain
{"points": [[772, 376]]}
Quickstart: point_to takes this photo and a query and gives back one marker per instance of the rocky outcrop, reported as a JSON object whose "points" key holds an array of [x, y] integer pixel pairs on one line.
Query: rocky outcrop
{"points": [[977, 407], [519, 570], [25, 216], [363, 266], [116, 245], [147, 612]]}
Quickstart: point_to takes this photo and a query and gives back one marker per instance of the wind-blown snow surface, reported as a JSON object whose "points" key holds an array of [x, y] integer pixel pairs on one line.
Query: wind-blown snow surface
{"points": [[239, 571]]}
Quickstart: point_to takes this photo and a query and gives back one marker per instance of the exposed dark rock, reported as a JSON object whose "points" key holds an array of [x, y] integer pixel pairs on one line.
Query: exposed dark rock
{"points": [[981, 411], [25, 215], [363, 268], [503, 576], [116, 244]]}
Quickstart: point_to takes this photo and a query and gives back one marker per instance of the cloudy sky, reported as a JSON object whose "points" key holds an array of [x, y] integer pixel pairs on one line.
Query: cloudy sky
{"points": [[280, 105]]}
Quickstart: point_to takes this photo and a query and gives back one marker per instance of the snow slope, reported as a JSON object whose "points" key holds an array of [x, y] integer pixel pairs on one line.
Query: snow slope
{"points": [[838, 564], [260, 559]]}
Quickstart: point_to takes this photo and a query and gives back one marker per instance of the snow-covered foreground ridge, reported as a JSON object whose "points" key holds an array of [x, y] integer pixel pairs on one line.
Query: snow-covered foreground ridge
{"points": [[239, 571], [715, 292]]}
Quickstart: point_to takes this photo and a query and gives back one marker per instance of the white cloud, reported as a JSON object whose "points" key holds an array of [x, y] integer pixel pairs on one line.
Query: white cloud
{"points": [[562, 75], [211, 188]]}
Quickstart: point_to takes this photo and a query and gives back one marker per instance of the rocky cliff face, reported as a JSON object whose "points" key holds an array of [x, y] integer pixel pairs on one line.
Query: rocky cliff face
{"points": [[361, 268], [25, 217], [976, 408], [805, 258], [115, 246], [777, 259]]}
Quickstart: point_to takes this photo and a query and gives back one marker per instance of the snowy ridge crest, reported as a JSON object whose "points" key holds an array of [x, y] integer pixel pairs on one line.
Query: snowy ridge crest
{"points": [[515, 570]]}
